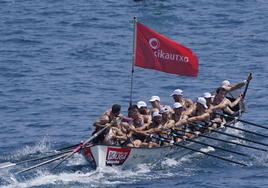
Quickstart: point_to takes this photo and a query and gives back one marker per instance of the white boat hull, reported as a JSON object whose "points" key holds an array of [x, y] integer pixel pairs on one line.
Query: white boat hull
{"points": [[103, 155]]}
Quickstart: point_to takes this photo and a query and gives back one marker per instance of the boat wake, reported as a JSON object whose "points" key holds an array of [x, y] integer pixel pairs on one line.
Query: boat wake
{"points": [[101, 177], [75, 171]]}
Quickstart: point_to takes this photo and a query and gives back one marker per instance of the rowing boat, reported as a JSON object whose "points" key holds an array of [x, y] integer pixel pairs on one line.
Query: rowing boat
{"points": [[99, 155]]}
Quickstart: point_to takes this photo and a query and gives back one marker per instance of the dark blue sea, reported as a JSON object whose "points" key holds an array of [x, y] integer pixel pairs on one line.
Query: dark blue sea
{"points": [[63, 63]]}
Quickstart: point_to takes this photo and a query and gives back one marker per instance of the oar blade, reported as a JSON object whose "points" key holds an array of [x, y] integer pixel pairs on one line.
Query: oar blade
{"points": [[6, 165], [212, 155]]}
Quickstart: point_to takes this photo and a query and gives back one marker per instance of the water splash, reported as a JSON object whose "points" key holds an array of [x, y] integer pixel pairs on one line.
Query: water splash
{"points": [[107, 176], [44, 145]]}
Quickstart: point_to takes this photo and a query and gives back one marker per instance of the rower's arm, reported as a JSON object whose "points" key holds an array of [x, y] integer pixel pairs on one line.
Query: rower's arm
{"points": [[199, 118], [145, 125], [220, 106], [228, 110], [237, 86], [101, 121], [181, 122], [170, 124], [233, 104]]}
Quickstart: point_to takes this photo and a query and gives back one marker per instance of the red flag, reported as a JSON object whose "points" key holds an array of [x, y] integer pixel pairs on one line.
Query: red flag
{"points": [[156, 51]]}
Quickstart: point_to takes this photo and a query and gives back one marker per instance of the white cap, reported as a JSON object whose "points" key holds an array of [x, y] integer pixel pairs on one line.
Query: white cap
{"points": [[164, 110], [177, 105], [154, 98], [226, 83], [207, 95], [141, 104], [155, 114], [177, 92], [202, 101]]}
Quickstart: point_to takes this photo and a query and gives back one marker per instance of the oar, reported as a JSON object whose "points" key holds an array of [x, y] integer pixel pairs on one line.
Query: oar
{"points": [[195, 150], [244, 121], [68, 147], [205, 144], [226, 141], [78, 148], [246, 88], [251, 132], [43, 163], [10, 164], [241, 138], [251, 123]]}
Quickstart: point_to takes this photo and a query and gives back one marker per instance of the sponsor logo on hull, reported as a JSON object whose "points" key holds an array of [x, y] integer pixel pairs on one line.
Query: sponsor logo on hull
{"points": [[117, 156]]}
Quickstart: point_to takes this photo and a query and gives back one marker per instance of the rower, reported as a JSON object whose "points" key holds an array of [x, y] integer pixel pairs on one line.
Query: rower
{"points": [[209, 99], [167, 122], [144, 111], [178, 115], [221, 104], [152, 131], [231, 87], [115, 136], [155, 102], [177, 95], [110, 115], [199, 117]]}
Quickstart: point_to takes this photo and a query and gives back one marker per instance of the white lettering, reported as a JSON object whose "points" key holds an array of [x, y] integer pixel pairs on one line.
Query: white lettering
{"points": [[170, 56], [113, 155], [160, 54]]}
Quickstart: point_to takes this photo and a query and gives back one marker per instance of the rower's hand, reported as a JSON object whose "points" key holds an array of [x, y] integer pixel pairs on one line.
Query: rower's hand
{"points": [[249, 77], [241, 95], [116, 121]]}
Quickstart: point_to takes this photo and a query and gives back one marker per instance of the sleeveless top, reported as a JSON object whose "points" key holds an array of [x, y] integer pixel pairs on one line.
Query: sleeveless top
{"points": [[217, 112]]}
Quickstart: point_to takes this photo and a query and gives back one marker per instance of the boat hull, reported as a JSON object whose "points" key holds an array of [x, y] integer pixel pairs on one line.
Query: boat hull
{"points": [[104, 155]]}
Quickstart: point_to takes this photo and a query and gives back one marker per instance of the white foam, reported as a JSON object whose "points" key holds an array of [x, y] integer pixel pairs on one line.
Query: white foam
{"points": [[170, 162], [207, 149], [100, 177], [42, 146]]}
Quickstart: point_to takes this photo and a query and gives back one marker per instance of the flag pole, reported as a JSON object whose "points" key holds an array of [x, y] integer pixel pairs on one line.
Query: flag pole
{"points": [[133, 58]]}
